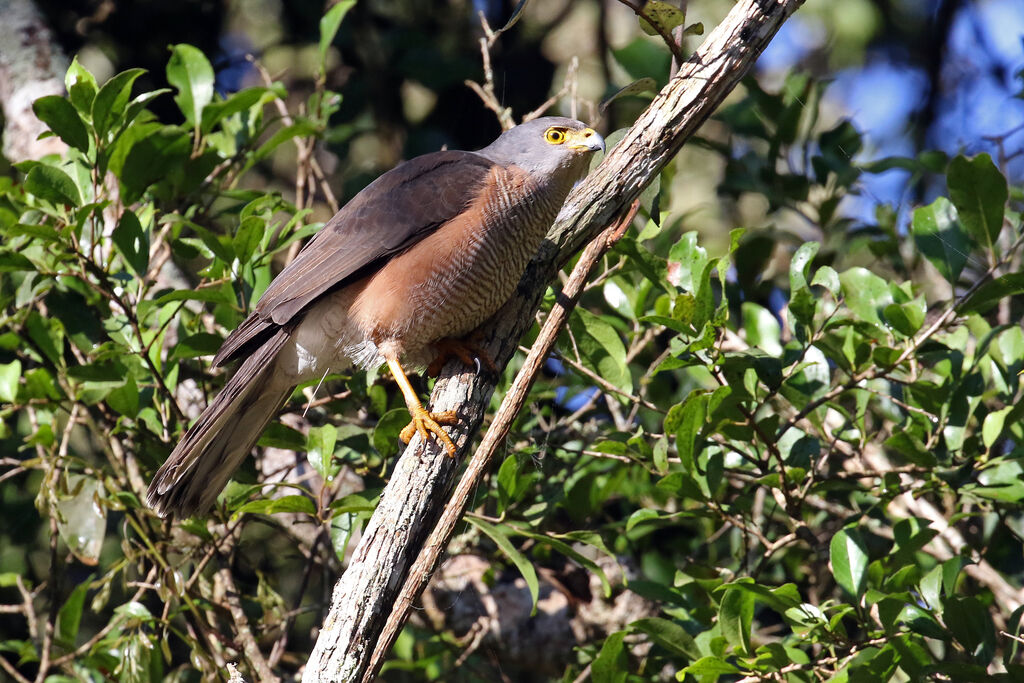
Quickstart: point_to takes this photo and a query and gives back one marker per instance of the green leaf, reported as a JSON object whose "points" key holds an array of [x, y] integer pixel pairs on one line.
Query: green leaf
{"points": [[992, 292], [125, 399], [239, 101], [939, 237], [132, 242], [602, 348], [692, 414], [668, 635], [971, 624], [710, 666], [10, 374], [761, 327], [329, 24], [270, 506], [640, 85], [866, 293], [70, 616], [210, 294], [112, 99], [992, 428], [780, 599], [385, 433], [196, 345], [906, 318], [849, 558], [524, 566], [320, 450], [81, 87], [151, 158], [574, 555], [301, 128], [979, 193], [13, 261], [612, 663], [62, 118], [190, 72], [52, 184], [736, 615], [801, 300], [661, 15], [247, 238], [506, 481]]}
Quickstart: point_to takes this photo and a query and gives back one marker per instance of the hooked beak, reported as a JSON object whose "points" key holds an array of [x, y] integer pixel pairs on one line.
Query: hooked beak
{"points": [[587, 139]]}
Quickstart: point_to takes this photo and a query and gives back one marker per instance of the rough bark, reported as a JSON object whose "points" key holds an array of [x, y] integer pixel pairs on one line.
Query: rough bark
{"points": [[31, 66], [416, 495]]}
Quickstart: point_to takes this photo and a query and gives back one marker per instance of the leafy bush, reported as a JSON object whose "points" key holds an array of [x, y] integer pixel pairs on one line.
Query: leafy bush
{"points": [[808, 449]]}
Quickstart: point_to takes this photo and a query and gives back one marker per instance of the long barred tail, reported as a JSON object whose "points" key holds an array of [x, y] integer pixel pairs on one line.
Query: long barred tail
{"points": [[213, 448]]}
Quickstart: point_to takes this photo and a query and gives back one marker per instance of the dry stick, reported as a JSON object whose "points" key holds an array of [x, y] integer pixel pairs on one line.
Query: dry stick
{"points": [[413, 500], [511, 405]]}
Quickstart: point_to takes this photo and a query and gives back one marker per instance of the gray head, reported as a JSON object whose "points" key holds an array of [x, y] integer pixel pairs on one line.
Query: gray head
{"points": [[545, 145]]}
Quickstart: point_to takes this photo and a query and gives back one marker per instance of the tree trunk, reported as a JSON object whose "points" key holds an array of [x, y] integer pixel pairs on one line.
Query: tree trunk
{"points": [[415, 497], [31, 66]]}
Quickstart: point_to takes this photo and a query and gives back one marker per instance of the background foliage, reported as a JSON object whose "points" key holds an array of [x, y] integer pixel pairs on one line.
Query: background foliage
{"points": [[780, 439]]}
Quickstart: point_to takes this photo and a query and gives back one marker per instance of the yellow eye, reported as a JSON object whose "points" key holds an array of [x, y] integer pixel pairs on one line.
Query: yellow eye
{"points": [[555, 136]]}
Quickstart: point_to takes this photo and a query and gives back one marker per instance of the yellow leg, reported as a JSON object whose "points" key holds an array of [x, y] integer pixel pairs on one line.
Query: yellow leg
{"points": [[422, 421]]}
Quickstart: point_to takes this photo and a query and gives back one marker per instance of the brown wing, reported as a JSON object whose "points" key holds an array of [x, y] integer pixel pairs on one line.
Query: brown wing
{"points": [[391, 214]]}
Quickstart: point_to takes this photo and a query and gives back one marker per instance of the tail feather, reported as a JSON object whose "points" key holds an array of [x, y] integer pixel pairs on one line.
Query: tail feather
{"points": [[213, 448]]}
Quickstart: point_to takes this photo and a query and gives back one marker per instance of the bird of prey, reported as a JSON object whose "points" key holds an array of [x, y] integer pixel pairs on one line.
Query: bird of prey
{"points": [[425, 253]]}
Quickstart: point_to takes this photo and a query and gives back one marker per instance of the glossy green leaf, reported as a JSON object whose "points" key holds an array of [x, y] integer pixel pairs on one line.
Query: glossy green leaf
{"points": [[601, 348], [270, 506], [992, 292], [81, 87], [849, 558], [573, 554], [736, 615], [132, 242], [112, 99], [385, 433], [637, 87], [10, 375], [320, 450], [612, 662], [125, 399], [708, 669], [979, 192], [525, 567], [215, 112], [939, 236], [866, 294], [198, 344], [52, 184], [329, 24], [801, 302], [970, 623], [69, 618], [669, 635], [992, 428], [761, 327], [906, 318], [190, 72], [62, 118]]}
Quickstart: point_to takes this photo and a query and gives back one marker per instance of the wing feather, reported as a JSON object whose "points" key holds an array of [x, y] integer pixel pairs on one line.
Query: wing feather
{"points": [[391, 214]]}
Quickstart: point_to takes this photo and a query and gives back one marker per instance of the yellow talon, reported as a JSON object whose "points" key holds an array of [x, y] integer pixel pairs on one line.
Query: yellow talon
{"points": [[425, 422], [422, 421]]}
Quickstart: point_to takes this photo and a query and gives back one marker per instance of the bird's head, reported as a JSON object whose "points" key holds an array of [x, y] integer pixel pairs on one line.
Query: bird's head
{"points": [[547, 146]]}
